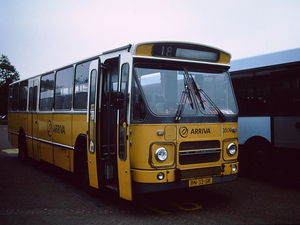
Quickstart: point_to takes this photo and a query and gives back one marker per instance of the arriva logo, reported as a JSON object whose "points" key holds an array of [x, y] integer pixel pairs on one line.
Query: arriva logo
{"points": [[49, 128], [201, 131], [183, 131], [55, 128]]}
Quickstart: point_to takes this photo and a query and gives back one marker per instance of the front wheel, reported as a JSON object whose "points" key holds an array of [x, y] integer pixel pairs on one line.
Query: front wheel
{"points": [[259, 158], [81, 167]]}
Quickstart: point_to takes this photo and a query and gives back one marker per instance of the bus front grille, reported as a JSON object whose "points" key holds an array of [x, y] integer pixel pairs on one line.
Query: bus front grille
{"points": [[199, 152]]}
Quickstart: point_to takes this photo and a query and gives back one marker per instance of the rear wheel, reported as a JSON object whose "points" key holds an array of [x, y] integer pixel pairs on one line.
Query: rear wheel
{"points": [[22, 147]]}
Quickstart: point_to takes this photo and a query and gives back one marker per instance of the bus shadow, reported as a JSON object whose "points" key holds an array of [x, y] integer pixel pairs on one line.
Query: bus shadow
{"points": [[287, 177], [163, 202], [181, 200]]}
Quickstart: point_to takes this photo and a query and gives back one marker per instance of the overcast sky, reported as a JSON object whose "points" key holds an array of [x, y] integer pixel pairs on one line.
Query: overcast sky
{"points": [[41, 35]]}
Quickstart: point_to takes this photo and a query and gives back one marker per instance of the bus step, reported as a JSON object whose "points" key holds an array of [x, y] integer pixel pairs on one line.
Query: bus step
{"points": [[112, 186]]}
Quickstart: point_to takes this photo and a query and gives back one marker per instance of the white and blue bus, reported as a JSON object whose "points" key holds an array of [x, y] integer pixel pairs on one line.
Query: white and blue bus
{"points": [[267, 89]]}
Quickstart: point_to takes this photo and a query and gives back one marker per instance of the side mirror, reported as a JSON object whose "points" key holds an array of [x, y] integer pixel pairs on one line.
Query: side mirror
{"points": [[118, 100]]}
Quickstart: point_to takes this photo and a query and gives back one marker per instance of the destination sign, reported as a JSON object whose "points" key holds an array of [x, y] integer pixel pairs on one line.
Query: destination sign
{"points": [[185, 52]]}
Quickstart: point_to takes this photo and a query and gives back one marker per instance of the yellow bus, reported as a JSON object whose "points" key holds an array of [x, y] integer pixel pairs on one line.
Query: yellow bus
{"points": [[145, 117]]}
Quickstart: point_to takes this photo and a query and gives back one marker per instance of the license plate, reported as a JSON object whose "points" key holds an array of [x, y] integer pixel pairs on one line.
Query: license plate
{"points": [[199, 182]]}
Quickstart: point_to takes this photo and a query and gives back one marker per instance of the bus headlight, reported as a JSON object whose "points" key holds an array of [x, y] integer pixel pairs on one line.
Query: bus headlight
{"points": [[161, 154], [231, 149]]}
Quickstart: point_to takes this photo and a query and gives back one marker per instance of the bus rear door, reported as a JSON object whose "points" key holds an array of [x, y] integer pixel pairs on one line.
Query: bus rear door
{"points": [[33, 120]]}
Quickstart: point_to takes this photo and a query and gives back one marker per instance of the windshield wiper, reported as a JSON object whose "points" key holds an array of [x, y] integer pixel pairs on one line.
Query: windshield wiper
{"points": [[198, 92], [186, 94], [214, 106]]}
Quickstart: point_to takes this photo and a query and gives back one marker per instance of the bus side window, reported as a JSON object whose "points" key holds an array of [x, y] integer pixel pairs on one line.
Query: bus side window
{"points": [[81, 86], [285, 85], [64, 89], [15, 101], [23, 96], [47, 91], [32, 98]]}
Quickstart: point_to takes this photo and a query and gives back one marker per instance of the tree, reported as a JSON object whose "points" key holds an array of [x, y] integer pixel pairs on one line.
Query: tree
{"points": [[8, 74]]}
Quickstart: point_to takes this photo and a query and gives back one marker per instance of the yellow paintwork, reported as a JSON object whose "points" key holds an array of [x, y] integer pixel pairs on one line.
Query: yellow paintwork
{"points": [[61, 158], [145, 139], [227, 157], [171, 154], [150, 176], [46, 152], [50, 130], [146, 50], [224, 58], [124, 170], [142, 136], [32, 131], [228, 168], [170, 133], [15, 121], [91, 157], [124, 173], [61, 129], [92, 166]]}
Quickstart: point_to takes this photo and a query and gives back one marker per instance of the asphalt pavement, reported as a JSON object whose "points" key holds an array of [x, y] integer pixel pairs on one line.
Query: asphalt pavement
{"points": [[41, 194]]}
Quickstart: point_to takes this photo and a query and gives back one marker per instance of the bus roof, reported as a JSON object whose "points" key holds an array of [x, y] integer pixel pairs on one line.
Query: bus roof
{"points": [[271, 59], [204, 52]]}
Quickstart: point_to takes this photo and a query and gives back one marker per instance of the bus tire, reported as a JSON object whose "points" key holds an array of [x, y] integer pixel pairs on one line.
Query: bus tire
{"points": [[22, 155], [259, 156], [81, 164]]}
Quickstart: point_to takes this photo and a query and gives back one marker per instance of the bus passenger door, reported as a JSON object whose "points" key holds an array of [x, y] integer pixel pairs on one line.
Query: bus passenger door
{"points": [[92, 121], [33, 120], [123, 120]]}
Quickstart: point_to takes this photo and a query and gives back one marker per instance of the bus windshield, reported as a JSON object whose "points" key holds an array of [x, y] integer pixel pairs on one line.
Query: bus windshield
{"points": [[176, 91]]}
